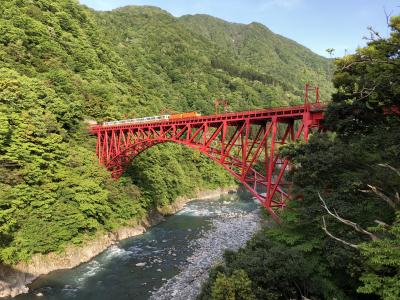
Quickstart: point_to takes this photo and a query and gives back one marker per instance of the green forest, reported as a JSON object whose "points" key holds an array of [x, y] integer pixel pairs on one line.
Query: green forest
{"points": [[63, 64], [341, 238]]}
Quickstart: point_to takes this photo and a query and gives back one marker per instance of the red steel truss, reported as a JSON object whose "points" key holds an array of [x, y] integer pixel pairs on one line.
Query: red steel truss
{"points": [[246, 144]]}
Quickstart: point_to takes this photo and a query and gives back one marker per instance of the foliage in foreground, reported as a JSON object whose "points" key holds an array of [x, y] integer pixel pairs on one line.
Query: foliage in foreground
{"points": [[354, 171]]}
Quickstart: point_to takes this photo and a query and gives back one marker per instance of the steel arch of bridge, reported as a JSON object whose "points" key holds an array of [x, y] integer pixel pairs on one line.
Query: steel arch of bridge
{"points": [[246, 144]]}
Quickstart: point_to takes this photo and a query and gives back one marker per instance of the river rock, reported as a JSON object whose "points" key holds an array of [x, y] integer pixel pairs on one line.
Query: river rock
{"points": [[142, 264]]}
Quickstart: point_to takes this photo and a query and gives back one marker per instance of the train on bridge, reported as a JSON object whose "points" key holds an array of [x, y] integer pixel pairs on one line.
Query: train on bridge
{"points": [[153, 119]]}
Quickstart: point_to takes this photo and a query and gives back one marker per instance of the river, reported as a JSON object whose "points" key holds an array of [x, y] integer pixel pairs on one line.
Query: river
{"points": [[139, 266]]}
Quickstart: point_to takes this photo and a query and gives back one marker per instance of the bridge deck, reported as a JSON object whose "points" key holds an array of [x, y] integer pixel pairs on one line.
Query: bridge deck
{"points": [[256, 116]]}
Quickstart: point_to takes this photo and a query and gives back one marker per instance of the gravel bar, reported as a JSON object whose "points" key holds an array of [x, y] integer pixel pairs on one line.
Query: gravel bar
{"points": [[229, 231]]}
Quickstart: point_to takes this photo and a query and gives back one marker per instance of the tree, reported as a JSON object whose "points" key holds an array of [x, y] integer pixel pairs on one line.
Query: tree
{"points": [[382, 253], [234, 287], [367, 83]]}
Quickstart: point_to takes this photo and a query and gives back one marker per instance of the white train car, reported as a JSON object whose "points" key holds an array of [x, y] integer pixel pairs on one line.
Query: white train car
{"points": [[153, 119], [137, 120]]}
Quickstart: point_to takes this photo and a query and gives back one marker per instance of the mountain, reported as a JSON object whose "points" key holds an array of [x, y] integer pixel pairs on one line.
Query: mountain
{"points": [[259, 49], [195, 59], [62, 63]]}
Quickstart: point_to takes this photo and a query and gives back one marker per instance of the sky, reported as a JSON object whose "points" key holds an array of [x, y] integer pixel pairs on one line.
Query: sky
{"points": [[316, 24]]}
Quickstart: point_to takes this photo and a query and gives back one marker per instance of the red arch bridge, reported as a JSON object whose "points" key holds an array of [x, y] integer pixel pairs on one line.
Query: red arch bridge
{"points": [[245, 143]]}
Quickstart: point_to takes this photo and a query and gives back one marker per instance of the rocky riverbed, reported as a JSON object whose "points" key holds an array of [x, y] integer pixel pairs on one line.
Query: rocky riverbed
{"points": [[230, 231], [14, 281], [169, 261]]}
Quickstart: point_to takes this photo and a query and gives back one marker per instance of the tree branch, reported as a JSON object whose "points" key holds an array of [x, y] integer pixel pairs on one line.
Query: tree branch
{"points": [[381, 195], [388, 16], [381, 223], [393, 203], [347, 222], [334, 237], [369, 60], [368, 92], [391, 168]]}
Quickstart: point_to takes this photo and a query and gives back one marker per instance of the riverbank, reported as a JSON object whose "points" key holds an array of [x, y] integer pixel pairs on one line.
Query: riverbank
{"points": [[14, 280]]}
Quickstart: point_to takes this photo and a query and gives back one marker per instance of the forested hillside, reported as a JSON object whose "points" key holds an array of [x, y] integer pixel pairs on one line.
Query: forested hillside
{"points": [[260, 54], [61, 64], [341, 238], [184, 69]]}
